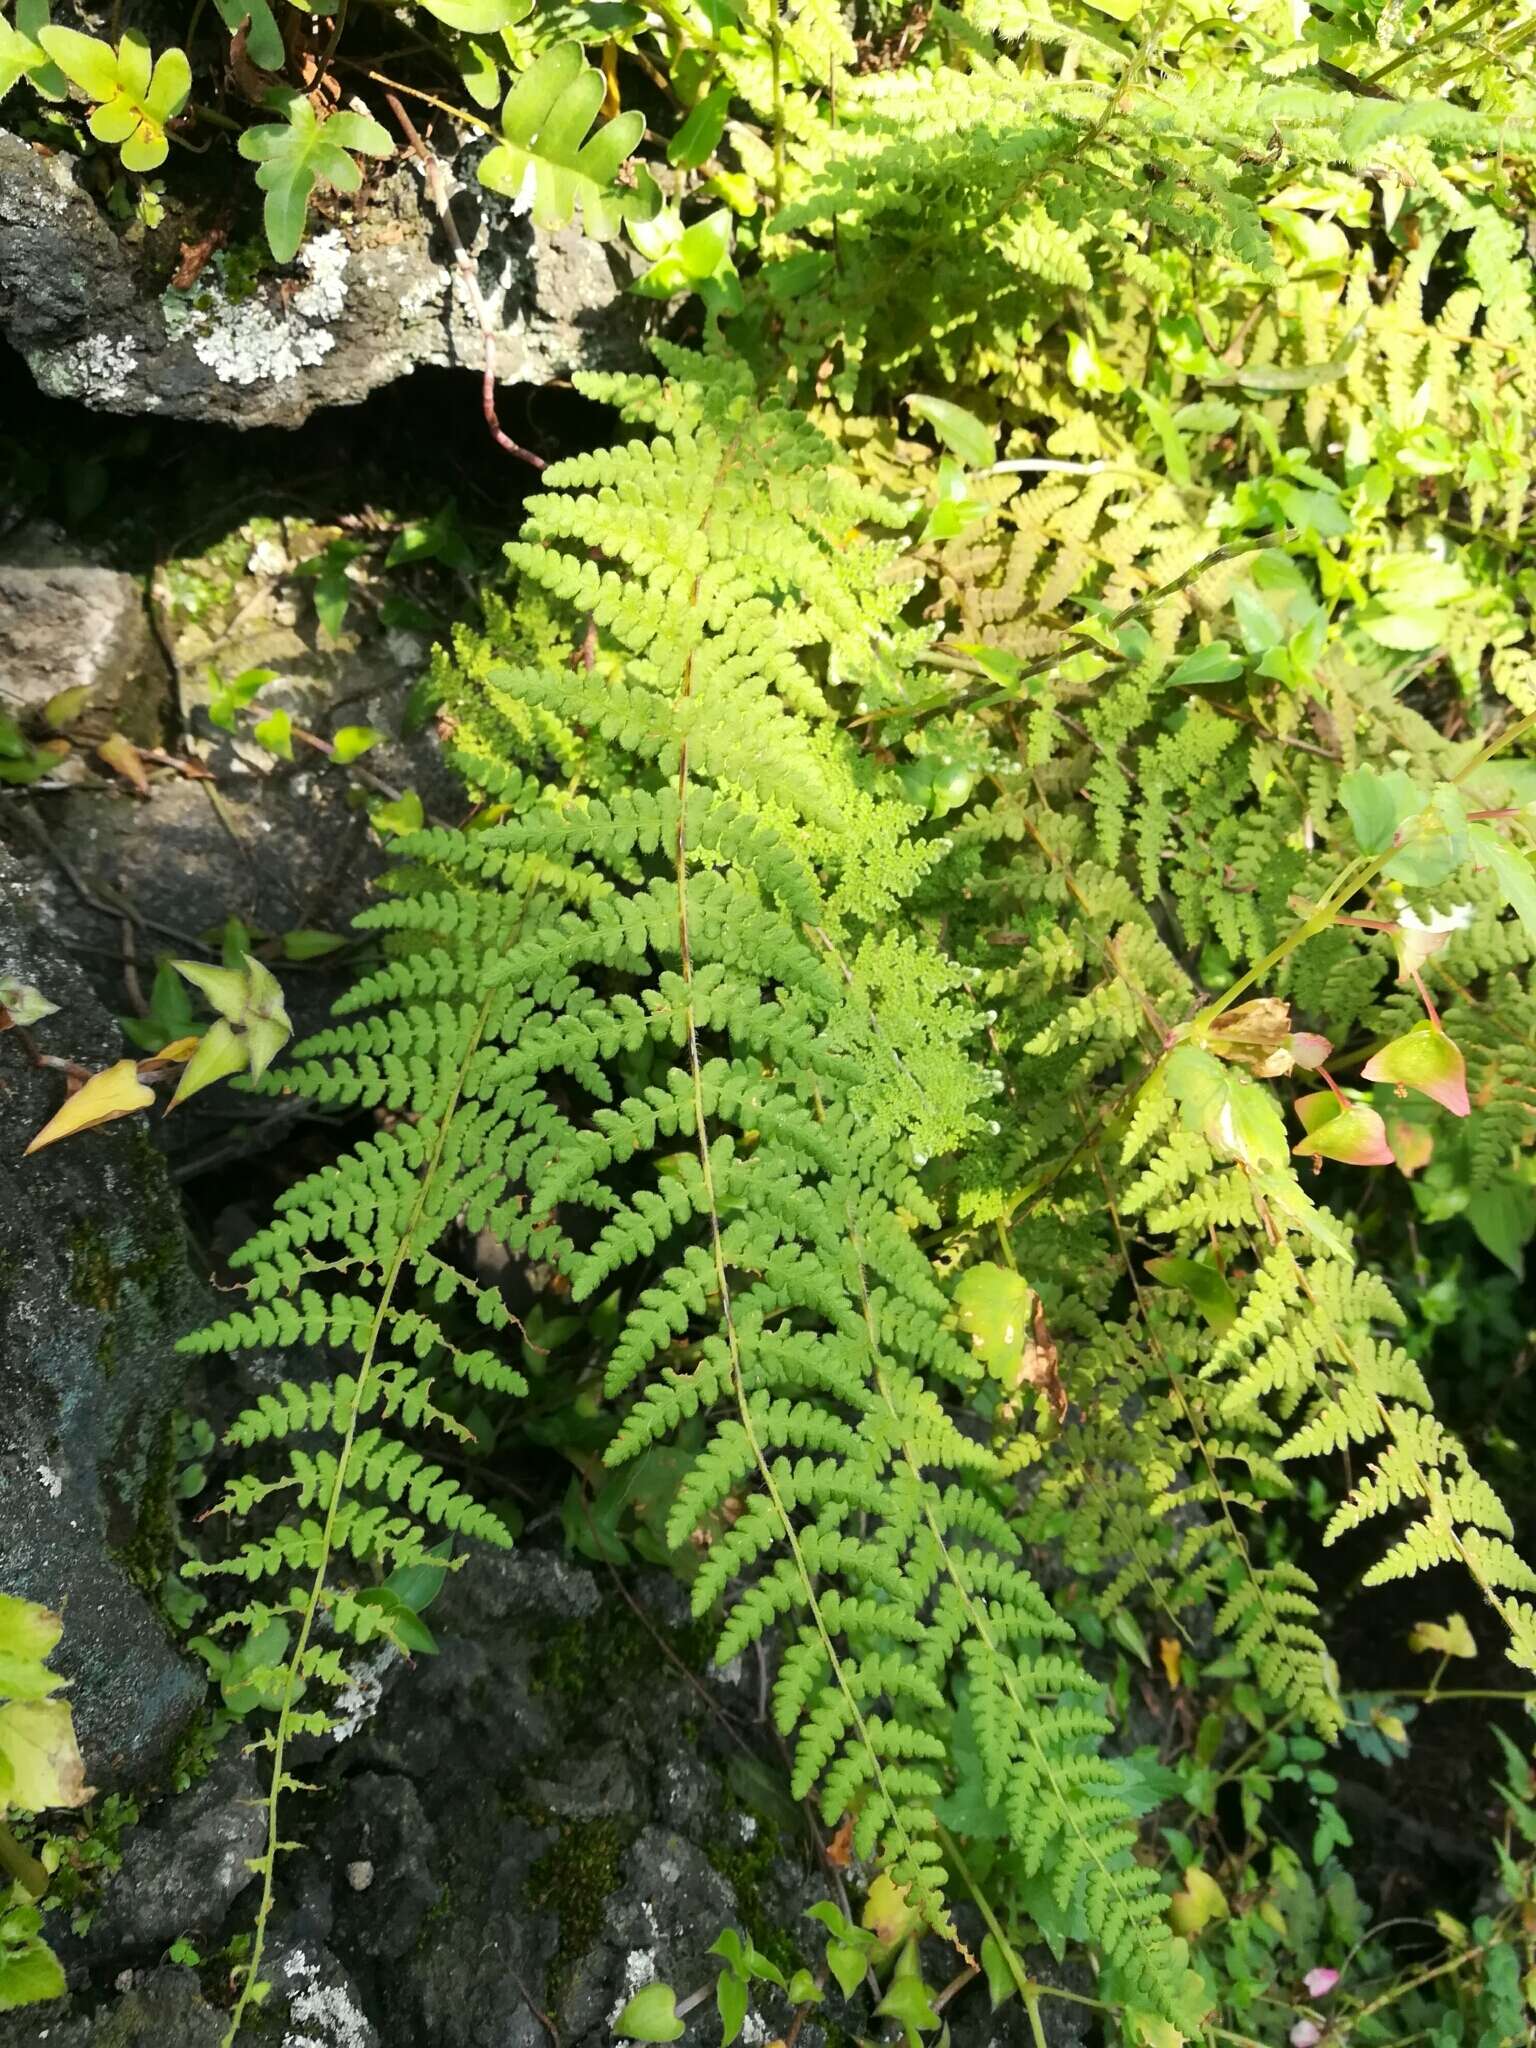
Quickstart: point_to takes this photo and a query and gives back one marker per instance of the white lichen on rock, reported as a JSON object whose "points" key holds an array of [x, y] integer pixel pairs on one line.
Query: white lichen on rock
{"points": [[244, 341], [321, 2015], [97, 370], [357, 1703]]}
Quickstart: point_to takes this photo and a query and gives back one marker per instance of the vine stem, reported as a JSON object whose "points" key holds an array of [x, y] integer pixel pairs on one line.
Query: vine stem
{"points": [[469, 283]]}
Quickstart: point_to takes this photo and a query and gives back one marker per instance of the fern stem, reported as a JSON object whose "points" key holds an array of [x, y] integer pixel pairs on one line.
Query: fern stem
{"points": [[1522, 1637], [722, 1278], [1175, 1382], [278, 1783], [1440, 35]]}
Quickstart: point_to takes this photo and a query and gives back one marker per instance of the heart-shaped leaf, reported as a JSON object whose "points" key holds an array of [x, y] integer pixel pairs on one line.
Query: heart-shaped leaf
{"points": [[651, 2015], [1354, 1135], [116, 1092], [1425, 1059]]}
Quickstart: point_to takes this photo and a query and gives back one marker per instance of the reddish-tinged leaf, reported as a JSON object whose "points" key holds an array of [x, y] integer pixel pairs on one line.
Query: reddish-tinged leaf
{"points": [[1418, 939], [1317, 1110], [1355, 1136], [1309, 1050], [1412, 1145], [1425, 1059]]}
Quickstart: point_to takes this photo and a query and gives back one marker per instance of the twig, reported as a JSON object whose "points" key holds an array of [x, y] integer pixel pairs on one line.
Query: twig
{"points": [[242, 1143], [543, 2018], [130, 960], [24, 816], [437, 191]]}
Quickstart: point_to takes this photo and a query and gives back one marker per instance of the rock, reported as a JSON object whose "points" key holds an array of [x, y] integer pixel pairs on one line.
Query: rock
{"points": [[94, 1292], [370, 298], [165, 2009], [499, 1855], [287, 845], [184, 1865], [69, 622]]}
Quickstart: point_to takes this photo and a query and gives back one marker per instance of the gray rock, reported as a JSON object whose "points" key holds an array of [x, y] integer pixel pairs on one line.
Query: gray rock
{"points": [[94, 1292], [69, 622], [161, 2009], [452, 1895], [184, 1864], [370, 298]]}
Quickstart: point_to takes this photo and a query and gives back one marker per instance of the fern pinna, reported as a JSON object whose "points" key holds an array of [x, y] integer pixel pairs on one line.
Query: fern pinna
{"points": [[646, 1018]]}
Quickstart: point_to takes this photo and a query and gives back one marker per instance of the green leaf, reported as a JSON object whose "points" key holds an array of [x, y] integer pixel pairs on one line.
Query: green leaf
{"points": [[651, 2015], [220, 1053], [908, 2002], [1512, 871], [29, 1975], [136, 100], [29, 1634], [304, 944], [295, 155], [999, 1973], [548, 157], [23, 56], [1379, 805], [1433, 844], [418, 1585], [699, 137], [731, 2000], [1503, 1218], [993, 1307], [1238, 1118], [402, 813], [1216, 663], [275, 732], [264, 40], [351, 741], [960, 431], [849, 1948], [479, 17], [85, 60], [1203, 1283], [252, 1026], [402, 1625], [228, 699]]}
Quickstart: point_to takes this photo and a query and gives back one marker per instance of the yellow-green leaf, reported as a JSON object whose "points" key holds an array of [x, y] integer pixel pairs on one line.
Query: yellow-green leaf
{"points": [[116, 1092]]}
